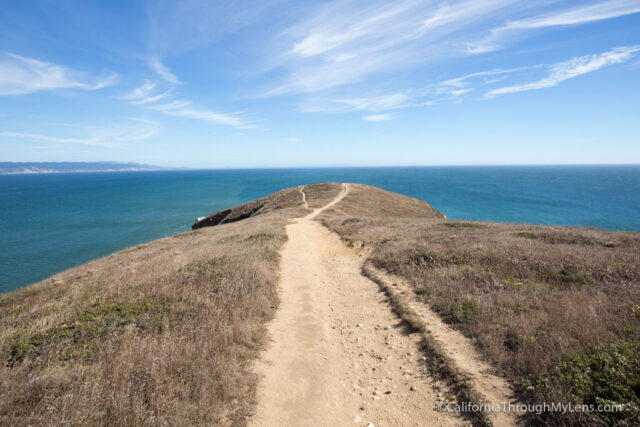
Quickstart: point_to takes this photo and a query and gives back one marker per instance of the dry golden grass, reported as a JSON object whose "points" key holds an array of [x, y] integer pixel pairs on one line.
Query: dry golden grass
{"points": [[271, 203], [318, 195], [368, 201], [165, 332], [555, 309], [162, 333]]}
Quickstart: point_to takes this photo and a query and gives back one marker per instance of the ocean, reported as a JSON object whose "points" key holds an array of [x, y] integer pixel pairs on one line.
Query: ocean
{"points": [[51, 222]]}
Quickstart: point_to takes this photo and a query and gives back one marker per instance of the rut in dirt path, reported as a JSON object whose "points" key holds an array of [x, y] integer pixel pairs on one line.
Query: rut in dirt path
{"points": [[304, 198], [339, 355], [458, 350]]}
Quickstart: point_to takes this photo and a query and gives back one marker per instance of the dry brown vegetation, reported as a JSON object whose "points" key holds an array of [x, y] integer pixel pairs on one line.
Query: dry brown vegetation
{"points": [[318, 195], [555, 309], [161, 333], [165, 332], [272, 203]]}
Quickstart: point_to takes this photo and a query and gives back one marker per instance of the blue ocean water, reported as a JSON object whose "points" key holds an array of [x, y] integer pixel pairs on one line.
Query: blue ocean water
{"points": [[51, 222]]}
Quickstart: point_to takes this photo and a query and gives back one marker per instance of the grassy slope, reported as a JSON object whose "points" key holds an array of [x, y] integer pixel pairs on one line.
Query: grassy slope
{"points": [[164, 333], [161, 333], [555, 309]]}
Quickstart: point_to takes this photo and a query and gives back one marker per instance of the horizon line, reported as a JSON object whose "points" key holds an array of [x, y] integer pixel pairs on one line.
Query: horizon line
{"points": [[186, 168]]}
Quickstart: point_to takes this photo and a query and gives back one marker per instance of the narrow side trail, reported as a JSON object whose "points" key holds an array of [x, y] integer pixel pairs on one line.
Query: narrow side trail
{"points": [[339, 356]]}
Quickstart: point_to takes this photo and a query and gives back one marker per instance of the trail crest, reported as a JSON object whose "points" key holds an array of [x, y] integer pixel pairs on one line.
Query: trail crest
{"points": [[338, 354]]}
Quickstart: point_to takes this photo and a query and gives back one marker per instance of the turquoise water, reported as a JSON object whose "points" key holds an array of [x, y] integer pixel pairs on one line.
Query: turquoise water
{"points": [[51, 222]]}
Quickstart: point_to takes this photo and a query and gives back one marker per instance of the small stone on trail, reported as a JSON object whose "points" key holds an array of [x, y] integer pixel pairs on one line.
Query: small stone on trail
{"points": [[356, 419]]}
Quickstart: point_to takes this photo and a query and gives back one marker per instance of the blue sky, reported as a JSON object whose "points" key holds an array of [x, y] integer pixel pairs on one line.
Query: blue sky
{"points": [[212, 84]]}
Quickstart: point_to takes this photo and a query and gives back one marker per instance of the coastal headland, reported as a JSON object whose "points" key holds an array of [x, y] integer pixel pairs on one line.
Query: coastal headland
{"points": [[332, 304]]}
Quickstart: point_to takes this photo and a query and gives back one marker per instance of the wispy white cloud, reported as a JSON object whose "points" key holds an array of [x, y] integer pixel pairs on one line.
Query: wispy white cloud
{"points": [[164, 72], [55, 139], [294, 140], [146, 93], [377, 117], [21, 75], [110, 137], [461, 15], [453, 89], [183, 108], [575, 16], [570, 69], [230, 119], [379, 103], [177, 27], [342, 42], [386, 102], [173, 105], [344, 45], [449, 90], [321, 36]]}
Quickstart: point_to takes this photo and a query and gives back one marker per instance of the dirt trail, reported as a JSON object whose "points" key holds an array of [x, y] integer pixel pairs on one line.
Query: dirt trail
{"points": [[456, 347], [339, 356], [304, 197]]}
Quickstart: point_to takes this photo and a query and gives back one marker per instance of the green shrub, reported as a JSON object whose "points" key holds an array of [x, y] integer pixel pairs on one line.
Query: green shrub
{"points": [[527, 234], [571, 274], [440, 259], [605, 375], [423, 291], [458, 312], [78, 337], [461, 225], [260, 236], [526, 284]]}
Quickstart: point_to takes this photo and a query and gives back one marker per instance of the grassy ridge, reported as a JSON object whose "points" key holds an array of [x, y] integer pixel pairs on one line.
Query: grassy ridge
{"points": [[165, 332], [161, 333], [556, 310]]}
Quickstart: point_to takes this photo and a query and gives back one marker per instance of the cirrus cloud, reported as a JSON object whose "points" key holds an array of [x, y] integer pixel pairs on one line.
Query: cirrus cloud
{"points": [[576, 16], [377, 117], [20, 75], [112, 136], [570, 69], [148, 95]]}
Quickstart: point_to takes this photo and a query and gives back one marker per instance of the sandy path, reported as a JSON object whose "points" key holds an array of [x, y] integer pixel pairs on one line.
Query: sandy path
{"points": [[304, 197], [457, 348], [339, 356]]}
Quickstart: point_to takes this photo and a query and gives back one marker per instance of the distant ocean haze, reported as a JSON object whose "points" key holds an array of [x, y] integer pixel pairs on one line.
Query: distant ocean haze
{"points": [[51, 222], [61, 167]]}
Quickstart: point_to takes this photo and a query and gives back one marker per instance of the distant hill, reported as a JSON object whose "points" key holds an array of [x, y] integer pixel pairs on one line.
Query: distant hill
{"points": [[68, 167]]}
